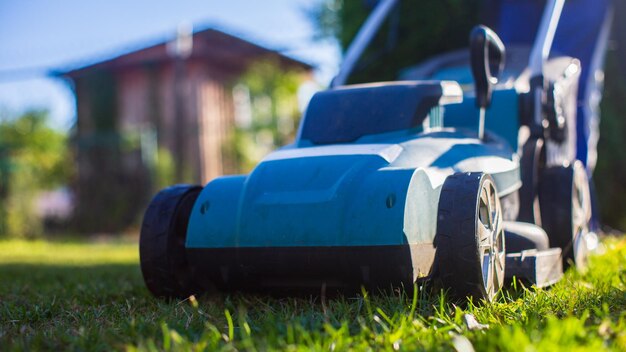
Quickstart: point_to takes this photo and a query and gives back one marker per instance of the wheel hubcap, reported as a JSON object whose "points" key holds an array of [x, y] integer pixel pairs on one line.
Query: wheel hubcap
{"points": [[491, 239]]}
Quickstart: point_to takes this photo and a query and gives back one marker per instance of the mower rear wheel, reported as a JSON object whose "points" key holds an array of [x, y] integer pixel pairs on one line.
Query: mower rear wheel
{"points": [[470, 237], [162, 242], [565, 203]]}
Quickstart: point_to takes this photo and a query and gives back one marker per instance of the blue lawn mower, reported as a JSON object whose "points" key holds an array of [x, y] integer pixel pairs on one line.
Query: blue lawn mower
{"points": [[464, 172]]}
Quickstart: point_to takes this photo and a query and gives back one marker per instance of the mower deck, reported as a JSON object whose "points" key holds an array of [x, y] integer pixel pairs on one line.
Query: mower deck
{"points": [[344, 268], [539, 268]]}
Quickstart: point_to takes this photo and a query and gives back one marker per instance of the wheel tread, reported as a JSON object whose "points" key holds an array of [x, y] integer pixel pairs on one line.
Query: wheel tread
{"points": [[455, 241], [163, 263]]}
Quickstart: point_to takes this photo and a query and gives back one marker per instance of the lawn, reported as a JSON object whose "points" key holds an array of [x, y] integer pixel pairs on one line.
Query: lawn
{"points": [[86, 295]]}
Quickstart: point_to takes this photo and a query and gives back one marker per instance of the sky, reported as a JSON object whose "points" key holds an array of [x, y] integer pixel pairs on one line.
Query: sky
{"points": [[38, 36]]}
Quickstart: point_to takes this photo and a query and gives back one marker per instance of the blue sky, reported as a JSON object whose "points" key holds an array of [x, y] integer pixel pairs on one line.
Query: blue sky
{"points": [[40, 35]]}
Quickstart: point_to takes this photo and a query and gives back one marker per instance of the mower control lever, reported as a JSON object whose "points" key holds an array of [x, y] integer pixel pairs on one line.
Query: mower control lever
{"points": [[487, 55]]}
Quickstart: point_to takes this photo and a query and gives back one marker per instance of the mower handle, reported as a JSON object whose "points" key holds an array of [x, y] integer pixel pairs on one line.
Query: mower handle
{"points": [[487, 56]]}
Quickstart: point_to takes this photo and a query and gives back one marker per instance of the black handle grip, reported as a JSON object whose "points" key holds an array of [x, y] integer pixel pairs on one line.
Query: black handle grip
{"points": [[487, 55]]}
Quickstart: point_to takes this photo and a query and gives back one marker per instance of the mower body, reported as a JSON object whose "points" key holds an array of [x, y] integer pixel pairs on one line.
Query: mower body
{"points": [[390, 183], [355, 207]]}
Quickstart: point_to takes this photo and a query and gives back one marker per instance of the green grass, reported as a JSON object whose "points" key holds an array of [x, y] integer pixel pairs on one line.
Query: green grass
{"points": [[90, 296]]}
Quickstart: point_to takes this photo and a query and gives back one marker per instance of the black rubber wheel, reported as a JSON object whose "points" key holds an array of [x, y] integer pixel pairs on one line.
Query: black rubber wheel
{"points": [[565, 204], [162, 242], [470, 237]]}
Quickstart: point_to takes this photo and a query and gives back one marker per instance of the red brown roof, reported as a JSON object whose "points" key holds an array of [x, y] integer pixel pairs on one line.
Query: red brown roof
{"points": [[210, 45]]}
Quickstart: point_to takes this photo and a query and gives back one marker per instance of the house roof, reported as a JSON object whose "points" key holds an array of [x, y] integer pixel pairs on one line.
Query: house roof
{"points": [[210, 45]]}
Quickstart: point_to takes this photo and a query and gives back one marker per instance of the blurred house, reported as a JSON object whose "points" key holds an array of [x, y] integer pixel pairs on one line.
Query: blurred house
{"points": [[167, 108]]}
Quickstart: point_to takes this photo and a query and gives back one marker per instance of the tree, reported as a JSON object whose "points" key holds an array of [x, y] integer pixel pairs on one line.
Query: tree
{"points": [[610, 171], [33, 157], [415, 31], [270, 117]]}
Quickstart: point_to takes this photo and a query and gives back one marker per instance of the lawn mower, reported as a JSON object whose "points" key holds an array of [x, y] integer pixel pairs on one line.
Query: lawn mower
{"points": [[464, 172]]}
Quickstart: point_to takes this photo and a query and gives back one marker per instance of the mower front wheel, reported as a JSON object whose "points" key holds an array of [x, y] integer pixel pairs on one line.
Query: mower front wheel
{"points": [[162, 242], [470, 237]]}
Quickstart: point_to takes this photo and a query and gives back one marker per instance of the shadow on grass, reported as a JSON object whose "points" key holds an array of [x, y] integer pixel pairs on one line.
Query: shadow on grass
{"points": [[27, 281]]}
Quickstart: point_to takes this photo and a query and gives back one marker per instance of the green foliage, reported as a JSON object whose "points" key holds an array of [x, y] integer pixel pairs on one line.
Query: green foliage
{"points": [[29, 144], [33, 157], [163, 172], [274, 113], [610, 171], [415, 31], [80, 295]]}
